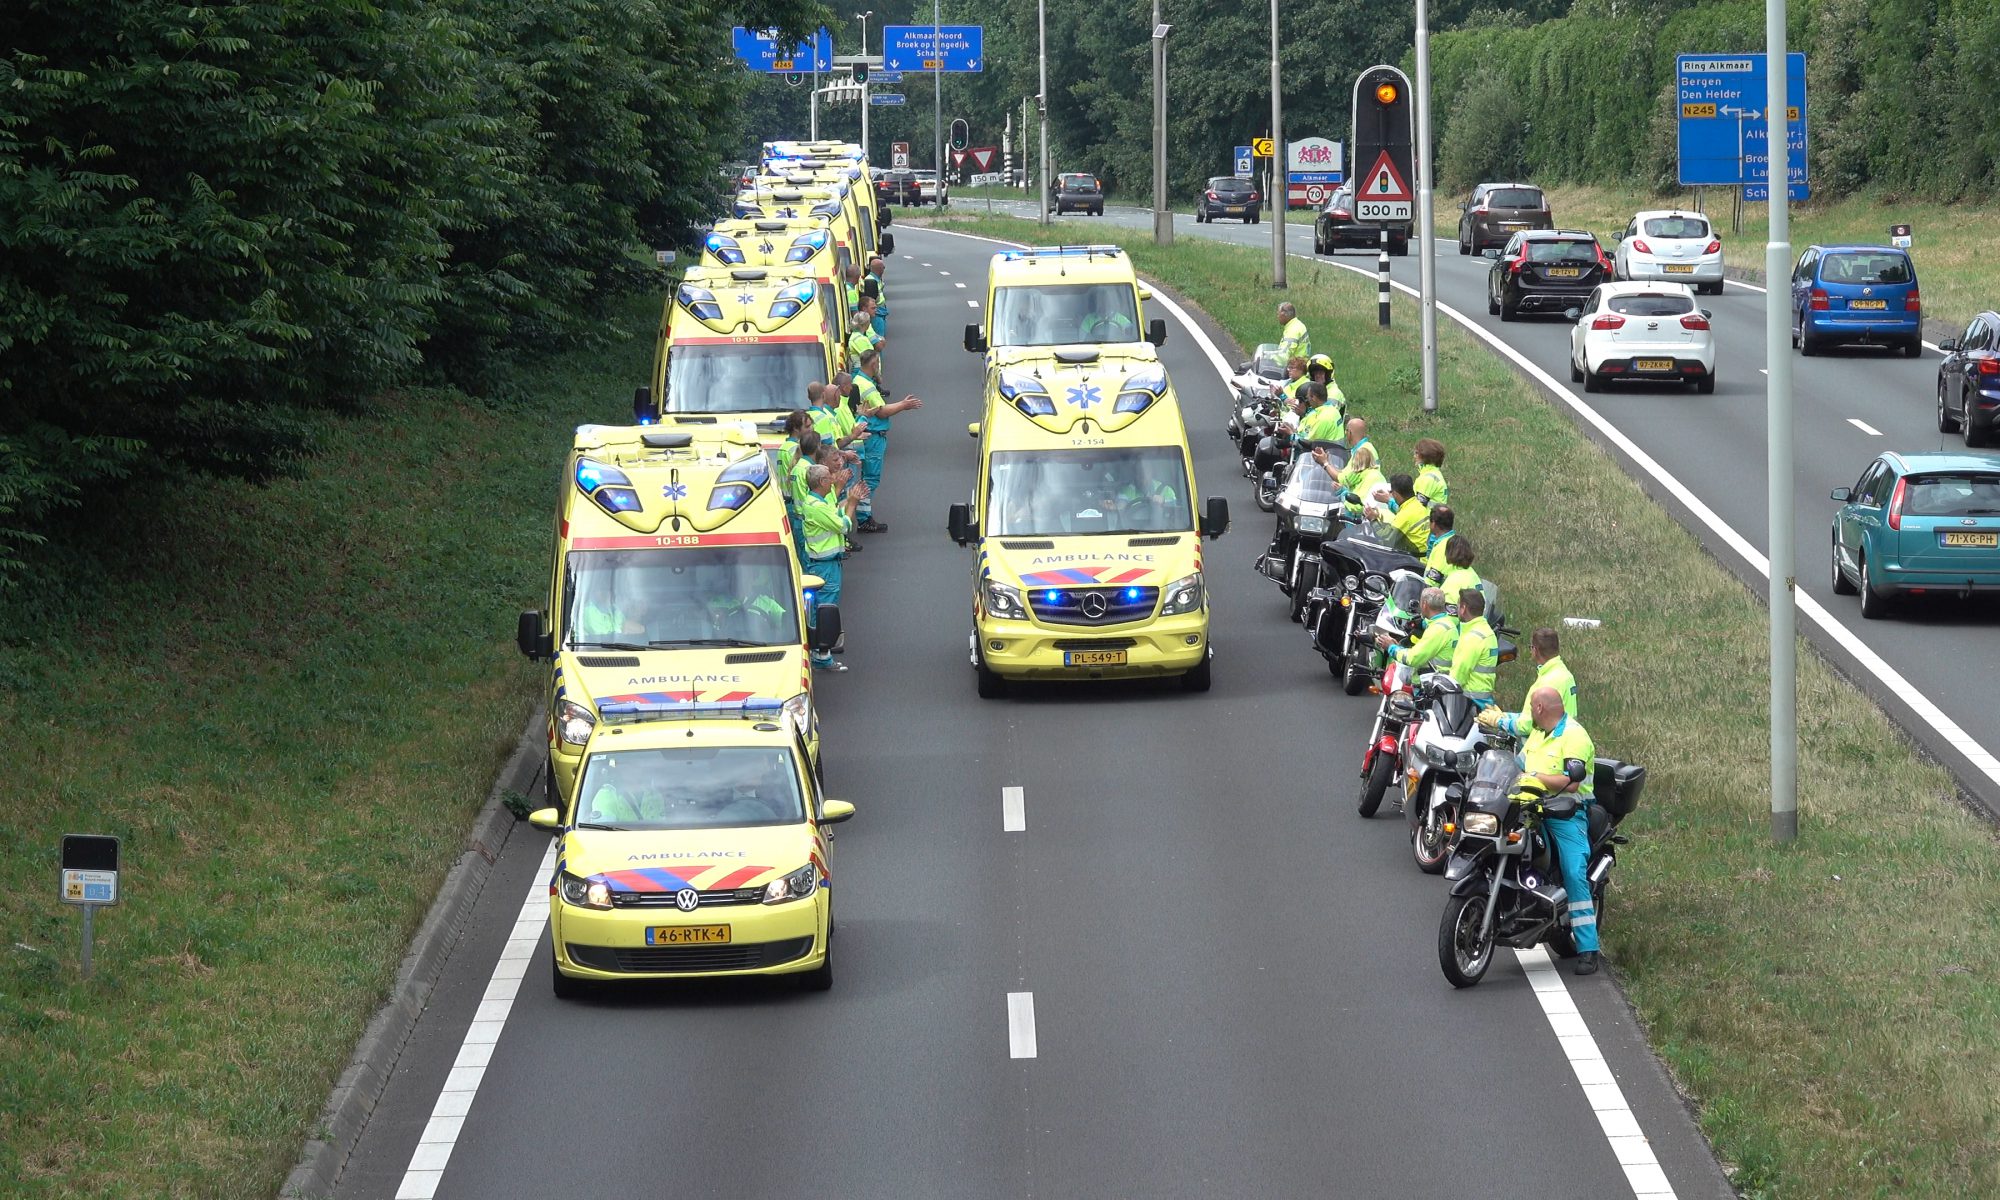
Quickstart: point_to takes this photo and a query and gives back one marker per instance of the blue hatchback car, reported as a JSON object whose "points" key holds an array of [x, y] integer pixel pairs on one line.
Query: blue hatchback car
{"points": [[1917, 523], [1858, 295]]}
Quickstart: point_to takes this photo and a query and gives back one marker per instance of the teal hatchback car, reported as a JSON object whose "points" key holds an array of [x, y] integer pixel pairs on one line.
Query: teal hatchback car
{"points": [[1917, 523]]}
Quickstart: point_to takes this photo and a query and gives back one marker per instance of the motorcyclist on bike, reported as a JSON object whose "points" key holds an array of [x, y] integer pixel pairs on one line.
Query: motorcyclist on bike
{"points": [[1433, 648], [1550, 672], [1435, 567], [1406, 514], [1459, 575], [1559, 756], [1475, 661]]}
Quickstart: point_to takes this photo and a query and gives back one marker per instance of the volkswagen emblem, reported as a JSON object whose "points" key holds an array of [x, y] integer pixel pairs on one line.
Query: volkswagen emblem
{"points": [[687, 899], [1867, 291], [1968, 520], [1094, 605]]}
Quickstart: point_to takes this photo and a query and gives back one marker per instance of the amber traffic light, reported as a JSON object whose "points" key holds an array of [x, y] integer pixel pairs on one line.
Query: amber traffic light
{"points": [[1385, 92]]}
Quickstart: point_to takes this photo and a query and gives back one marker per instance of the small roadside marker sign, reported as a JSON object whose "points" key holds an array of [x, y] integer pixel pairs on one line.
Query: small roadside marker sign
{"points": [[1384, 195]]}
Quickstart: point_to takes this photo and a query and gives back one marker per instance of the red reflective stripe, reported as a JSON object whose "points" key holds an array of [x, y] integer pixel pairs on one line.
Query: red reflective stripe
{"points": [[737, 878], [1129, 576], [674, 540]]}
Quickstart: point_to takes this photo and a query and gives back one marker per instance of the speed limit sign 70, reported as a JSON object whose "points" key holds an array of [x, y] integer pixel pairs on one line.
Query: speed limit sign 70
{"points": [[1315, 193]]}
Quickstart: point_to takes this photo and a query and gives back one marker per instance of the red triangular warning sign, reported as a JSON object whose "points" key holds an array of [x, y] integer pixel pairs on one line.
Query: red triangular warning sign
{"points": [[1384, 182]]}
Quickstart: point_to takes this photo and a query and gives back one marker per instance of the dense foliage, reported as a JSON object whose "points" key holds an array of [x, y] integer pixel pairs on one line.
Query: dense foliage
{"points": [[218, 222]]}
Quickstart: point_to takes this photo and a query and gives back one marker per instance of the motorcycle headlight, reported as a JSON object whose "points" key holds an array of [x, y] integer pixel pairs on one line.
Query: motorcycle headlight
{"points": [[1349, 584], [584, 893], [796, 886], [1437, 756], [1183, 595], [1312, 524], [1003, 600], [1480, 822], [1464, 761], [574, 722]]}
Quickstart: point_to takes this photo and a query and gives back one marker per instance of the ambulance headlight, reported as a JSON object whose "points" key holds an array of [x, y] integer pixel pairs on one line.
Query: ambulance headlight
{"points": [[795, 886], [800, 708], [584, 893], [574, 722], [1183, 595], [1003, 600]]}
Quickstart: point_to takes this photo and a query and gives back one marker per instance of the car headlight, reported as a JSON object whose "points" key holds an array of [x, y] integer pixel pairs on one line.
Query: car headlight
{"points": [[1479, 822], [796, 886], [1312, 524], [800, 708], [1183, 595], [584, 893], [574, 722], [1003, 600]]}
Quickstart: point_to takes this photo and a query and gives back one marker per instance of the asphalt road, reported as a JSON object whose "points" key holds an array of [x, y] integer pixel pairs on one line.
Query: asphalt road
{"points": [[1850, 405], [1233, 977]]}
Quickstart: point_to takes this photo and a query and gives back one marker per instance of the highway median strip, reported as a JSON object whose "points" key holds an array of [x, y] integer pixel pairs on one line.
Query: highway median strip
{"points": [[1830, 1007]]}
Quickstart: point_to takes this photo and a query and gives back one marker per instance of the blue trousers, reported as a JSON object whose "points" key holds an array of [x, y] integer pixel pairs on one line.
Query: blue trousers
{"points": [[798, 531], [1571, 836], [872, 452]]}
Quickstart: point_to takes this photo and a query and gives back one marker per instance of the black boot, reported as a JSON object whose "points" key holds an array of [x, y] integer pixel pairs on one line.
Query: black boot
{"points": [[1586, 963]]}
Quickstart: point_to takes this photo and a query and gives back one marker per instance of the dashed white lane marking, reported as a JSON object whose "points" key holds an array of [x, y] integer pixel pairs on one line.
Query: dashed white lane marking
{"points": [[1013, 810], [944, 272], [1600, 1087], [972, 304], [434, 1145], [958, 285], [1864, 427], [927, 264], [1020, 1026]]}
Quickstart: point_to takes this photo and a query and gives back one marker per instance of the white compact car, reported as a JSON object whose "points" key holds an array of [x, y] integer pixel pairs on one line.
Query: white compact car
{"points": [[1675, 247], [1645, 331]]}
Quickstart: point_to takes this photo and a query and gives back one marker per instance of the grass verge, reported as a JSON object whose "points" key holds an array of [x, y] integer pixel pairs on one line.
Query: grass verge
{"points": [[289, 700], [1830, 1006], [1952, 246]]}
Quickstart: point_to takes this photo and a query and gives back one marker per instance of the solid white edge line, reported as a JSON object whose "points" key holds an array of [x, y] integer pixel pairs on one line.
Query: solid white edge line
{"points": [[1020, 1024], [1864, 427], [1013, 810], [428, 1161], [1607, 1100]]}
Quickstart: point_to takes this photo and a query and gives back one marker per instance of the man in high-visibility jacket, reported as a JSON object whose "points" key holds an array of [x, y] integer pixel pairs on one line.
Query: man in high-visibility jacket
{"points": [[851, 287], [828, 523], [1431, 484], [1475, 661], [1556, 753], [1357, 437], [1408, 516], [1319, 369], [872, 285], [796, 489], [875, 413], [1434, 647], [1322, 422], [1293, 340], [1550, 672], [1435, 567]]}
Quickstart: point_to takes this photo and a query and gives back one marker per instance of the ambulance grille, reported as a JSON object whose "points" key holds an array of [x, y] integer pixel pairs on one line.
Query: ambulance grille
{"points": [[1154, 541], [749, 895], [607, 660], [1027, 545], [757, 656], [681, 960]]}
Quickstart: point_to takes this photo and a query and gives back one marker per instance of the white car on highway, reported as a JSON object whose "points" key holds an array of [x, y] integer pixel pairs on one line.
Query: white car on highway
{"points": [[1675, 247], [1645, 331]]}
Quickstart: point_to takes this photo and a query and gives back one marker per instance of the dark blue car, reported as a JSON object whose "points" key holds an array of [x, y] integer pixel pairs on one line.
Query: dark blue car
{"points": [[1968, 386], [1916, 523], [1856, 295]]}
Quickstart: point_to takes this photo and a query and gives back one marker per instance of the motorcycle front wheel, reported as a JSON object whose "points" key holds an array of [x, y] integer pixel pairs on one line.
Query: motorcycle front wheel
{"points": [[1432, 845], [1375, 784], [1462, 953]]}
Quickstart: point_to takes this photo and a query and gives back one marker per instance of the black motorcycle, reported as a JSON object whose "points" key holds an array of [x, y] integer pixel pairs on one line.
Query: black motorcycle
{"points": [[1360, 569], [1506, 885], [1308, 509]]}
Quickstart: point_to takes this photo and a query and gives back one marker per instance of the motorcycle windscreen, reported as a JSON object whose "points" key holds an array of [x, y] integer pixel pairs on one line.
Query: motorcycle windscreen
{"points": [[1308, 484], [1455, 713], [1492, 780]]}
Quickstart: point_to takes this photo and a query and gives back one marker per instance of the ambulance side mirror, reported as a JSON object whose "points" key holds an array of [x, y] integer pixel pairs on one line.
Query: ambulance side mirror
{"points": [[826, 628], [532, 639], [975, 340], [546, 818], [889, 242], [1216, 523], [1156, 331], [642, 404], [959, 523]]}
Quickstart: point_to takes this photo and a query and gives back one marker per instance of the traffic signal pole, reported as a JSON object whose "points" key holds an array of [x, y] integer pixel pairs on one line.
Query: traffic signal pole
{"points": [[1427, 244], [1280, 197]]}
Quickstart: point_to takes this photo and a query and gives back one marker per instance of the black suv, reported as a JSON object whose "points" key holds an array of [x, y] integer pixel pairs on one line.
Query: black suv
{"points": [[899, 187], [1544, 270], [1336, 229], [1228, 196], [1075, 190], [1496, 211]]}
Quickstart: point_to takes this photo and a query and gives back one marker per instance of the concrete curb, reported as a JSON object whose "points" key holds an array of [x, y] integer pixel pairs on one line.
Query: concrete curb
{"points": [[341, 1122]]}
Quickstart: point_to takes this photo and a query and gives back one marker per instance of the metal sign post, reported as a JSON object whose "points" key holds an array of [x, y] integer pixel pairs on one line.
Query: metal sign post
{"points": [[1778, 450], [89, 881], [1279, 205], [1426, 222]]}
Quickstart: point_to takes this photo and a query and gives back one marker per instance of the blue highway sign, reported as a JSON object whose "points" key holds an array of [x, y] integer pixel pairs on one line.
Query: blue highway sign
{"points": [[759, 50], [1760, 193], [890, 98], [912, 48], [1246, 166], [1724, 132]]}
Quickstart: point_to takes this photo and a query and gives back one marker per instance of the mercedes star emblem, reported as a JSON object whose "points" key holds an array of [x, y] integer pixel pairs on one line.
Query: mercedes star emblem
{"points": [[687, 899], [1094, 605]]}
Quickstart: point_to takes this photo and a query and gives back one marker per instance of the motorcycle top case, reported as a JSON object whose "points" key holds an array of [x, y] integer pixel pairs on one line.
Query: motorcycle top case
{"points": [[1618, 785]]}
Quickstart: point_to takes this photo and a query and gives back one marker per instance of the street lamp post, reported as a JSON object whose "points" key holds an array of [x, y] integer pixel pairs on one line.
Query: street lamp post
{"points": [[864, 80], [1280, 197], [1042, 102], [1778, 436], [1426, 244], [937, 102], [1163, 219]]}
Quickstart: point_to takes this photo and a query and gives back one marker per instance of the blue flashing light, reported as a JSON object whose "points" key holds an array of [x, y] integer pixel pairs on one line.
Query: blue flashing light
{"points": [[731, 496], [617, 499], [754, 470], [829, 209], [1052, 596], [1132, 594], [725, 249], [1036, 404], [1014, 384], [1133, 402], [805, 246], [592, 475], [701, 302], [793, 300]]}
